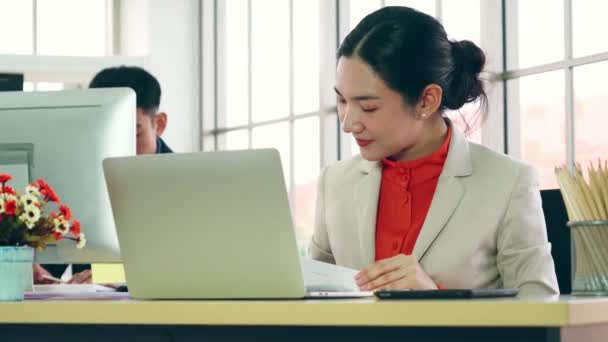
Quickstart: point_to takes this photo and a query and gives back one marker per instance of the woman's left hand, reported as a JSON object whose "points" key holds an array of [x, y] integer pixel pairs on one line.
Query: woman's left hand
{"points": [[401, 272], [84, 277]]}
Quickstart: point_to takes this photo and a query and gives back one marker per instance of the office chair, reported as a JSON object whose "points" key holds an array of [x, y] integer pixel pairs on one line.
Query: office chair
{"points": [[558, 233]]}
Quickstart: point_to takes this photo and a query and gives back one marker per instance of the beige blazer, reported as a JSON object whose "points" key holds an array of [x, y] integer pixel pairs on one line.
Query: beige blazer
{"points": [[485, 227]]}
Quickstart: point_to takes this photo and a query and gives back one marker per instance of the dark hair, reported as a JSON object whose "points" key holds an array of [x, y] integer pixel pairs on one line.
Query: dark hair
{"points": [[146, 86], [410, 50]]}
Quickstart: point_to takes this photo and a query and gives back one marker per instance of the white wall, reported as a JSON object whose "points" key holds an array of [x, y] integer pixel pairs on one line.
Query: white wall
{"points": [[167, 33]]}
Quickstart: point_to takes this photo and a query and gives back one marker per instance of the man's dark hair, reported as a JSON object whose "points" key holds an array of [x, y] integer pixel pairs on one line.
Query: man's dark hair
{"points": [[146, 86]]}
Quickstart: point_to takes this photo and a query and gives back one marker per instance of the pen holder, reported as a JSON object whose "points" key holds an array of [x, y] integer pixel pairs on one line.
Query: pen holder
{"points": [[589, 257]]}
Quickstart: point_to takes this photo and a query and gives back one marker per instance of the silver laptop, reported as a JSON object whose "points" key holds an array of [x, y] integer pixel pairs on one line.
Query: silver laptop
{"points": [[206, 225]]}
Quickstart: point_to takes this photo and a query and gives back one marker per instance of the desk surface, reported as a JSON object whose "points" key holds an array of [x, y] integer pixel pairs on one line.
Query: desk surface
{"points": [[548, 312]]}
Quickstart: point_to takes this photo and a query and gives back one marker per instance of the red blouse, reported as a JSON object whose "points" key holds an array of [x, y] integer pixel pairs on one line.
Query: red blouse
{"points": [[406, 193]]}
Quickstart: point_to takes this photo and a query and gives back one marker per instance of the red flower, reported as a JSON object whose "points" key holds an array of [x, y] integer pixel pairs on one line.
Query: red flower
{"points": [[51, 196], [65, 211], [10, 207], [53, 214], [9, 190], [48, 192], [75, 228], [57, 236], [41, 183], [5, 177]]}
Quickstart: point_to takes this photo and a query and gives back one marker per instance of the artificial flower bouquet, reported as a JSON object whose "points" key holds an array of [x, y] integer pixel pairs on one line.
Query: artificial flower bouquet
{"points": [[24, 220]]}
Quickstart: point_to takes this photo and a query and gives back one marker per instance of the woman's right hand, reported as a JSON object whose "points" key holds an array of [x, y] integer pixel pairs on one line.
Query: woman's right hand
{"points": [[40, 275]]}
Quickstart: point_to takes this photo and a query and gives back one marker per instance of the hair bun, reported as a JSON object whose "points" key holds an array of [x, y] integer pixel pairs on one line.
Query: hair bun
{"points": [[469, 56], [466, 86]]}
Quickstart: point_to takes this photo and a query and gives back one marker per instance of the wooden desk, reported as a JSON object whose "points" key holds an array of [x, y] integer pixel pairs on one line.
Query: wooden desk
{"points": [[547, 319]]}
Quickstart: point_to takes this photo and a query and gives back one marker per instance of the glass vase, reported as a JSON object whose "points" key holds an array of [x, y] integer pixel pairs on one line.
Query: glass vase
{"points": [[15, 272]]}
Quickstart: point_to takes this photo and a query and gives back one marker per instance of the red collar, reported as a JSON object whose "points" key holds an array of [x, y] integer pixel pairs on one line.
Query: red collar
{"points": [[439, 156], [418, 170]]}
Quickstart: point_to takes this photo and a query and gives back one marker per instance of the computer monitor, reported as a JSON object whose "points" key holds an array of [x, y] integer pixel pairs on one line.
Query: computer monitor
{"points": [[11, 82], [65, 135]]}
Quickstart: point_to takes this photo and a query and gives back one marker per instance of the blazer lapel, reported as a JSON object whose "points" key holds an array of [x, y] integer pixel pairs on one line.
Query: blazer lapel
{"points": [[448, 194], [367, 192]]}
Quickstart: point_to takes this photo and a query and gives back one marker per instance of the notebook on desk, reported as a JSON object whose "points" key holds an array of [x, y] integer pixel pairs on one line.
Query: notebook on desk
{"points": [[212, 225], [73, 291]]}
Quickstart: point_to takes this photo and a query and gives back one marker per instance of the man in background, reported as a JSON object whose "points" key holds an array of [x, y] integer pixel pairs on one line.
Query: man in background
{"points": [[150, 122], [150, 126]]}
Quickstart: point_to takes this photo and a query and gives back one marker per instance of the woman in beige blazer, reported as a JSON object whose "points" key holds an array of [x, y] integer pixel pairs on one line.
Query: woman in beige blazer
{"points": [[397, 73]]}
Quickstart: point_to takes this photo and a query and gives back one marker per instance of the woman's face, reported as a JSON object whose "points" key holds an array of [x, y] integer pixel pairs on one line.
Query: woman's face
{"points": [[382, 123]]}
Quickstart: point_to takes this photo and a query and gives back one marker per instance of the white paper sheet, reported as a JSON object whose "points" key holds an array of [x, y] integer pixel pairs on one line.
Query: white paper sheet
{"points": [[72, 288], [74, 292], [320, 276]]}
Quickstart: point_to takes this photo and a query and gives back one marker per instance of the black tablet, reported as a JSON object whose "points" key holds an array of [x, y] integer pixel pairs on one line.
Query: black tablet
{"points": [[447, 294]]}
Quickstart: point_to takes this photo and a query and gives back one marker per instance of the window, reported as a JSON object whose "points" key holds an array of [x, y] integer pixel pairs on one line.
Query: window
{"points": [[57, 44], [591, 140], [542, 122], [16, 17], [59, 31], [306, 169], [586, 14], [554, 83], [236, 77], [274, 78], [269, 93], [270, 60], [358, 9], [462, 21], [275, 136], [527, 34], [426, 6]]}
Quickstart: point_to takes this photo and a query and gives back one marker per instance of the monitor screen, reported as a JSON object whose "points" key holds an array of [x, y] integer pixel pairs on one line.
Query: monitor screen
{"points": [[63, 136], [11, 82]]}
